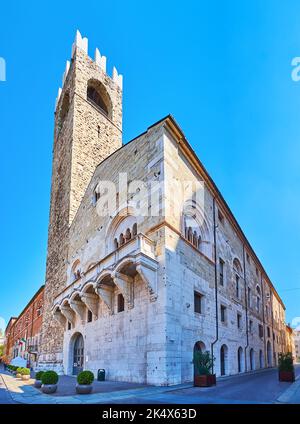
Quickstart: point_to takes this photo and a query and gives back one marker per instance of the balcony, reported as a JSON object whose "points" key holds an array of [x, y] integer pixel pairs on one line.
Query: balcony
{"points": [[118, 269]]}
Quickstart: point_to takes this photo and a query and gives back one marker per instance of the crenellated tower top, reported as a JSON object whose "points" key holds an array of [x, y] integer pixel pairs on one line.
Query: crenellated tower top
{"points": [[99, 60]]}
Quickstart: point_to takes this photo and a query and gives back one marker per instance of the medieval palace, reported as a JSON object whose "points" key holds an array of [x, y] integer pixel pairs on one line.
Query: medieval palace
{"points": [[136, 293]]}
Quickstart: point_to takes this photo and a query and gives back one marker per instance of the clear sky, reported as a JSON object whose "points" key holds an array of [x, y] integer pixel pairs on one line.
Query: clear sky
{"points": [[223, 69]]}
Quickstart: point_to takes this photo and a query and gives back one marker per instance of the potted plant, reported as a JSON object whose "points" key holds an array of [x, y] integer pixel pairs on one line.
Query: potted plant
{"points": [[38, 379], [203, 365], [18, 372], [49, 382], [25, 373], [84, 382], [286, 367]]}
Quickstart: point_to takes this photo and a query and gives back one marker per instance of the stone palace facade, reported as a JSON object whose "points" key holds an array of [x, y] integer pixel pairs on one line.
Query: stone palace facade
{"points": [[136, 293]]}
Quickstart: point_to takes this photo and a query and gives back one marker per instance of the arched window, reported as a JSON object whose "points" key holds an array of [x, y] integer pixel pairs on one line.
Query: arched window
{"points": [[195, 239], [258, 298], [199, 242], [75, 271], [237, 269], [261, 359], [269, 354], [116, 244], [128, 234], [121, 239], [223, 359], [252, 365], [96, 99], [190, 234], [134, 229], [240, 360]]}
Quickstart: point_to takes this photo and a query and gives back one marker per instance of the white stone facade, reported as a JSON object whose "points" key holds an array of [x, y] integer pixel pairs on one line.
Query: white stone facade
{"points": [[130, 281]]}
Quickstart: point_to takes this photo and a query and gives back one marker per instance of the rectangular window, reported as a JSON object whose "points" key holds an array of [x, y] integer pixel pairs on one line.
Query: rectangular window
{"points": [[69, 325], [89, 316], [221, 267], [239, 320], [223, 313], [250, 326], [198, 302], [237, 286], [249, 297], [268, 331], [260, 331], [120, 303]]}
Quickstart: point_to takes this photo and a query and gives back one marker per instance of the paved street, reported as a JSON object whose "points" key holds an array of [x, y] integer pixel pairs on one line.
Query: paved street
{"points": [[4, 395], [259, 387]]}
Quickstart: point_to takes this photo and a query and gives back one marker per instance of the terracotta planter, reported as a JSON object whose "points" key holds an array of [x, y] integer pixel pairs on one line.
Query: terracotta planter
{"points": [[84, 389], [38, 384], [49, 388], [18, 375], [25, 377], [205, 380], [288, 376]]}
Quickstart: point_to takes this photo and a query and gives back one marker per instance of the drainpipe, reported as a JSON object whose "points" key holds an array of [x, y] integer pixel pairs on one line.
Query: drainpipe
{"points": [[216, 281], [264, 322], [246, 306]]}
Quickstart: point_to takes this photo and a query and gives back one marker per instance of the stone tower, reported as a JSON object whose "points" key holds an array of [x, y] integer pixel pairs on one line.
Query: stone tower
{"points": [[88, 128]]}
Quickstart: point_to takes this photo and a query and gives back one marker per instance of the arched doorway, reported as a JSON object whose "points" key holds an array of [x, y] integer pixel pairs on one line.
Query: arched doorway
{"points": [[269, 354], [261, 359], [223, 359], [252, 359], [199, 347], [240, 360], [78, 355]]}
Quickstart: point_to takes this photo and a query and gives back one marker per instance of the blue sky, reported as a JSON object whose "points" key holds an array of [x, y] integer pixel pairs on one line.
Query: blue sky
{"points": [[223, 69]]}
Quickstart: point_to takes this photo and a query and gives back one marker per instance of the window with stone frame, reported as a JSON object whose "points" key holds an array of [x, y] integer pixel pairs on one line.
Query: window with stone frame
{"points": [[239, 320], [221, 271], [198, 299], [223, 315], [260, 331], [237, 286], [121, 303], [249, 298]]}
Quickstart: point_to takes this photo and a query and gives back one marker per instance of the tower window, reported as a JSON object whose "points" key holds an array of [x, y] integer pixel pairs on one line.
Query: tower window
{"points": [[96, 99], [120, 303]]}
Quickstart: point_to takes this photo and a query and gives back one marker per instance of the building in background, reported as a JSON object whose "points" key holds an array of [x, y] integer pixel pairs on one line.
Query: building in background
{"points": [[290, 343], [297, 343], [23, 334]]}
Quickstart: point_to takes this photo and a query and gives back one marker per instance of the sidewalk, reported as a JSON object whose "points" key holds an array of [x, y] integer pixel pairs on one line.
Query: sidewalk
{"points": [[23, 392], [292, 394]]}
